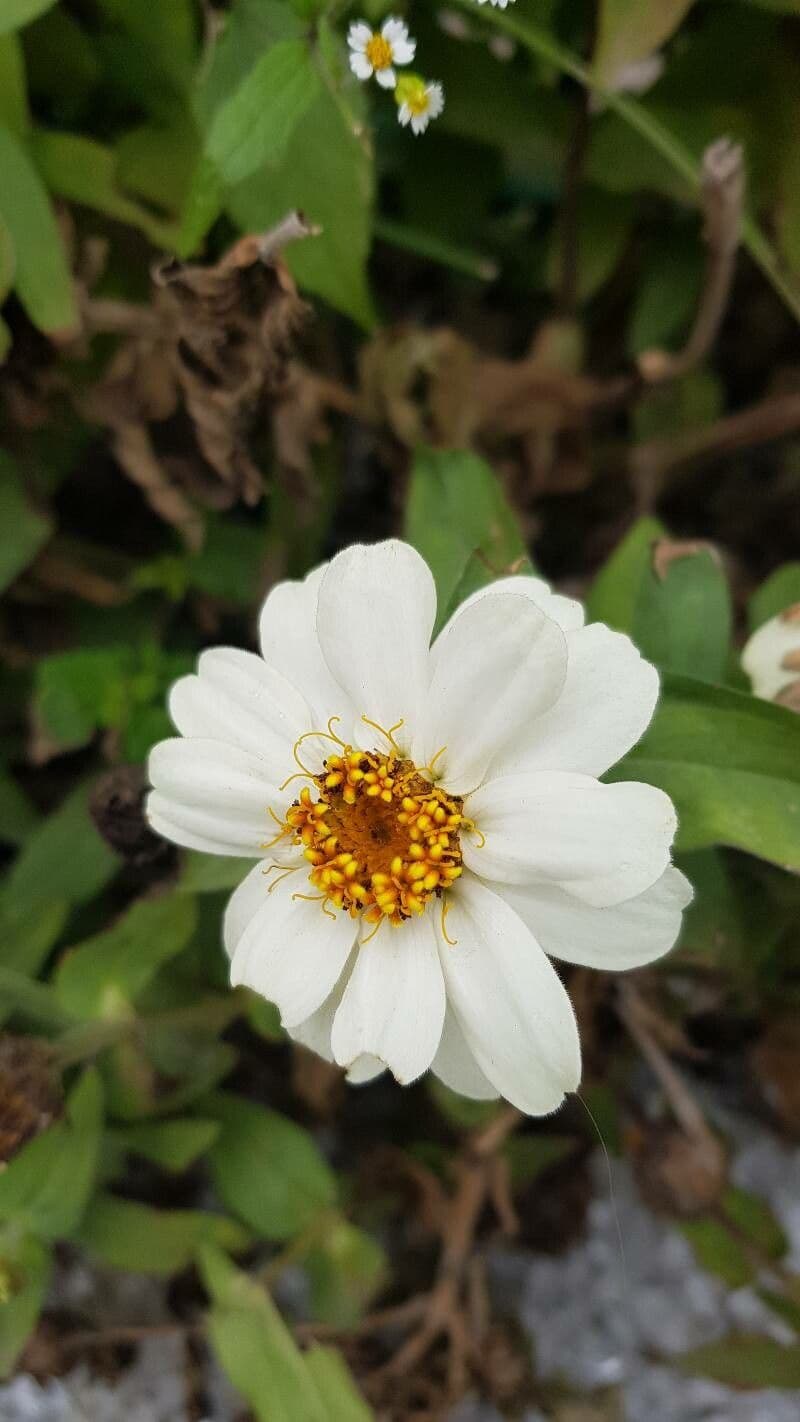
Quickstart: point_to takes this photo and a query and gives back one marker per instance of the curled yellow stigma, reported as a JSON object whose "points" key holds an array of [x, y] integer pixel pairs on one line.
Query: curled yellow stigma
{"points": [[380, 839]]}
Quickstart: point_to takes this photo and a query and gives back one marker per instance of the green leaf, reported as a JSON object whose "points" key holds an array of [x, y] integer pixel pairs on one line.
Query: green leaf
{"points": [[780, 590], [112, 968], [629, 30], [28, 937], [718, 1251], [34, 1002], [45, 1187], [682, 621], [615, 592], [16, 13], [84, 171], [528, 1156], [63, 861], [43, 281], [13, 92], [743, 1361], [333, 184], [456, 510], [753, 1218], [731, 764], [174, 1145], [346, 1270], [17, 815], [255, 124], [267, 1169], [23, 530], [24, 1279], [211, 873], [337, 1390], [256, 1348], [76, 692], [127, 1235]]}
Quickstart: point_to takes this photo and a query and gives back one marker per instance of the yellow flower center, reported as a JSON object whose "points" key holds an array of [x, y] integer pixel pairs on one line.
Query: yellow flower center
{"points": [[381, 839], [413, 91], [379, 52]]}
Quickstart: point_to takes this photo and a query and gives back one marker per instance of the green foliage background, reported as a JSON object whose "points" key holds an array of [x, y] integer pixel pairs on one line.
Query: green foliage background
{"points": [[173, 128]]}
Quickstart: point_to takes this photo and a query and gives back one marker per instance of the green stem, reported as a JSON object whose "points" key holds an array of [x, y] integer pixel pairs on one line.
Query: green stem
{"points": [[679, 157]]}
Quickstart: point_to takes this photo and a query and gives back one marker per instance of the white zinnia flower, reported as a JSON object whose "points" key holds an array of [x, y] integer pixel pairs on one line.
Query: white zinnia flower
{"points": [[771, 657], [418, 101], [377, 51], [426, 821]]}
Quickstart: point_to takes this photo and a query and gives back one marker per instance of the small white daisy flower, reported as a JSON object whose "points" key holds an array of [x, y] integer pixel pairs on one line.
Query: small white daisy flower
{"points": [[377, 51], [426, 821], [418, 101], [771, 657], [499, 4]]}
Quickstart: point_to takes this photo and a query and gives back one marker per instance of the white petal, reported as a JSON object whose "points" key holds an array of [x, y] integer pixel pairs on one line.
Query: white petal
{"points": [[764, 654], [394, 30], [626, 935], [511, 1006], [386, 78], [605, 707], [216, 776], [403, 51], [499, 664], [170, 821], [213, 831], [247, 899], [393, 1005], [455, 1065], [419, 123], [315, 1033], [604, 843], [360, 65], [226, 703], [377, 606], [292, 952], [365, 1069], [359, 35], [289, 643], [566, 611]]}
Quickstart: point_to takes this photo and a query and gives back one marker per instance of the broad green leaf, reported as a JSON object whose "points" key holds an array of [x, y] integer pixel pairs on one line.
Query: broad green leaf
{"points": [[13, 91], [457, 517], [731, 764], [337, 1390], [743, 1361], [75, 692], [157, 160], [256, 1348], [630, 30], [174, 1145], [211, 873], [34, 1002], [682, 621], [17, 815], [168, 32], [64, 860], [42, 280], [255, 124], [84, 171], [267, 1169], [16, 13], [27, 937], [780, 590], [45, 1187], [615, 592], [95, 977], [251, 28], [528, 1156], [718, 1251], [127, 1235], [333, 184], [346, 1269], [24, 1278], [23, 529]]}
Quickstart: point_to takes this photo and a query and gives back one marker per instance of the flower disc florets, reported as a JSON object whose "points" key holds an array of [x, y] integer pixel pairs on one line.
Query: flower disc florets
{"points": [[381, 839]]}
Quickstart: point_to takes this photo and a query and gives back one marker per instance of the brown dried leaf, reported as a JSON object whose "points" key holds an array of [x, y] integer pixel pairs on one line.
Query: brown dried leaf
{"points": [[30, 1094]]}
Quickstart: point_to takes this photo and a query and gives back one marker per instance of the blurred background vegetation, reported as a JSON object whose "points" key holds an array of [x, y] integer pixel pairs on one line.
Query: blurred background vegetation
{"points": [[561, 325]]}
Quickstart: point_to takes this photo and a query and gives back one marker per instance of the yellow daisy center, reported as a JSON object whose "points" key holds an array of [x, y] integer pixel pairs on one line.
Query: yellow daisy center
{"points": [[381, 840], [379, 52]]}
